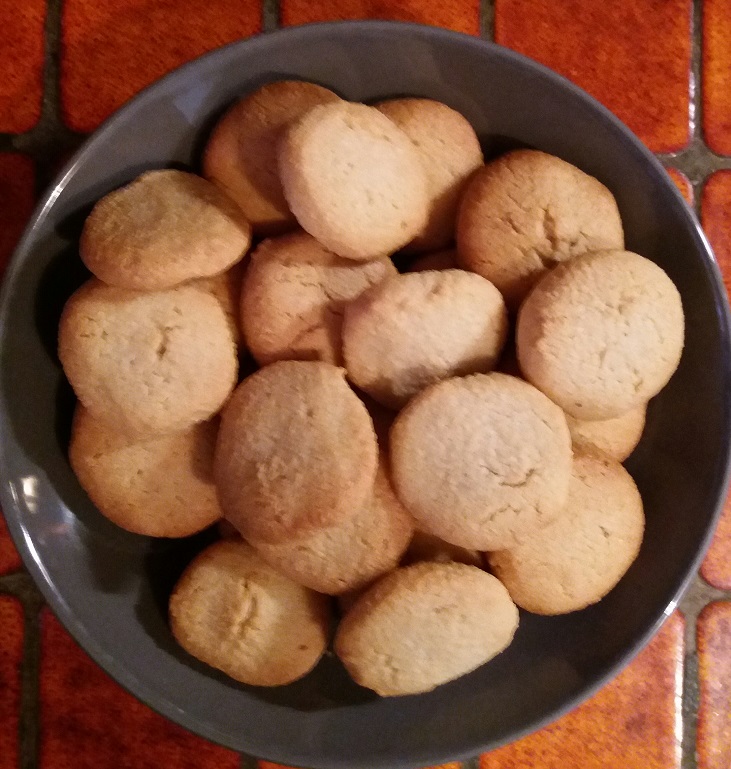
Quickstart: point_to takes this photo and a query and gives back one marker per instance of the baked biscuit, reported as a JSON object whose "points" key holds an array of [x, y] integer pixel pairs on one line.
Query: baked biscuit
{"points": [[241, 155], [437, 260], [427, 547], [296, 452], [616, 437], [425, 625], [226, 288], [527, 211], [351, 554], [294, 296], [450, 152], [576, 560], [164, 228], [481, 461], [160, 486], [354, 180], [601, 334], [415, 329], [147, 362], [237, 614]]}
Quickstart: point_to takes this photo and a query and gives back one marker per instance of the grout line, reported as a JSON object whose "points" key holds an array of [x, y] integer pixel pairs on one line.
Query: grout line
{"points": [[472, 763], [30, 686], [248, 762], [269, 15], [696, 73], [689, 712], [487, 19]]}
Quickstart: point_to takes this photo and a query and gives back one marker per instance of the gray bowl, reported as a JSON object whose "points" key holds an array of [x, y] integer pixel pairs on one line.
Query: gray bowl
{"points": [[110, 588]]}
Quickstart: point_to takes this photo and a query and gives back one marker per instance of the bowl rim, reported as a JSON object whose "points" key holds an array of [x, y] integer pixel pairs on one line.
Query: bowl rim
{"points": [[13, 516]]}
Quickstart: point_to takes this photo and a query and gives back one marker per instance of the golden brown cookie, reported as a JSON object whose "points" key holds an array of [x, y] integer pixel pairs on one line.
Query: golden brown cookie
{"points": [[450, 152], [527, 211], [601, 334], [296, 451], [424, 625], [226, 288], [576, 560], [354, 180], [427, 547], [160, 486], [437, 260], [616, 437], [237, 614], [351, 554], [241, 155], [294, 296], [164, 228], [152, 362], [415, 329], [481, 461]]}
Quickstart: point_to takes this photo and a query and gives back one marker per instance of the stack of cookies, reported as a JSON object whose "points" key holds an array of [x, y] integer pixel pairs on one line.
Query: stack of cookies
{"points": [[437, 445]]}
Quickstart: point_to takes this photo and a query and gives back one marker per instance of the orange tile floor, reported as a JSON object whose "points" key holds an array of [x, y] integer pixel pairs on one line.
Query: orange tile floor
{"points": [[663, 66]]}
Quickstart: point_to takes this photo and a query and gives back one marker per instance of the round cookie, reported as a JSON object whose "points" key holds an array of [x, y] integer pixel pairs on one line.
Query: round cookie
{"points": [[450, 153], [160, 486], [351, 554], [437, 260], [424, 625], [237, 614], [294, 296], [527, 211], [353, 180], [415, 329], [164, 228], [576, 560], [601, 334], [147, 362], [226, 288], [241, 155], [427, 547], [481, 461], [296, 452], [616, 437]]}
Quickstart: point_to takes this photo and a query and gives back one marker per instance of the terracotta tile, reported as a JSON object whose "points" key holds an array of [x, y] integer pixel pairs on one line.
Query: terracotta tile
{"points": [[460, 15], [714, 672], [112, 49], [89, 722], [631, 722], [21, 62], [16, 201], [9, 558], [682, 183], [11, 659], [716, 84], [634, 57]]}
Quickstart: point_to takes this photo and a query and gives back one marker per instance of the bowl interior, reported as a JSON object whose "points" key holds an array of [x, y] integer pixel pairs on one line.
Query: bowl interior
{"points": [[110, 588]]}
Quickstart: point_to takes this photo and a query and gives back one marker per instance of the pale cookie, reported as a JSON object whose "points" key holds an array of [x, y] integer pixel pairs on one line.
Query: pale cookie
{"points": [[237, 614], [424, 625], [450, 152], [351, 554], [481, 461], [226, 288], [296, 452], [616, 437], [354, 180], [294, 296], [164, 228], [160, 486], [437, 260], [241, 155], [601, 334], [576, 560], [415, 329], [528, 211], [147, 362], [427, 547]]}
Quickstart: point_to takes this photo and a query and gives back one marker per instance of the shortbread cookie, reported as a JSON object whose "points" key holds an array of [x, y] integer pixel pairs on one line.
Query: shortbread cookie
{"points": [[160, 486], [147, 362], [415, 329], [427, 547], [601, 334], [226, 288], [294, 296], [162, 229], [241, 155], [354, 180], [616, 437], [450, 152], [437, 260], [481, 461], [576, 560], [528, 211], [351, 554], [424, 625], [296, 452], [237, 614]]}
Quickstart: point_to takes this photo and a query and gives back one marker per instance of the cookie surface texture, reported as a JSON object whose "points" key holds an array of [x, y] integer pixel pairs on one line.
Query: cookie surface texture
{"points": [[616, 437]]}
